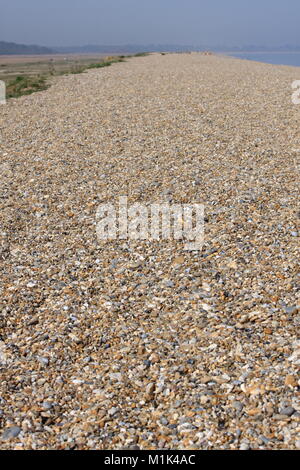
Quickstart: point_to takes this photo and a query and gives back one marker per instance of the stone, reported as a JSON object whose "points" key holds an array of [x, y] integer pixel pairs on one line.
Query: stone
{"points": [[288, 411], [113, 411], [11, 433], [244, 446], [291, 381], [291, 310], [43, 360]]}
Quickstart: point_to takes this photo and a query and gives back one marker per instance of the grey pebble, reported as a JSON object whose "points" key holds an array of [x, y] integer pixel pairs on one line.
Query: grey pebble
{"points": [[164, 421], [264, 439], [238, 406], [11, 432], [47, 405], [244, 446], [291, 310], [287, 411], [87, 359], [43, 360], [177, 403], [113, 411]]}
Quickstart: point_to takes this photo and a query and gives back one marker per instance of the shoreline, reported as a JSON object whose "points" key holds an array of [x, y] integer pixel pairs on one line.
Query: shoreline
{"points": [[267, 55]]}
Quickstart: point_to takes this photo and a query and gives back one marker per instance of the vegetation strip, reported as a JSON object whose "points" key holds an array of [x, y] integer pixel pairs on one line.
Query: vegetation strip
{"points": [[25, 85]]}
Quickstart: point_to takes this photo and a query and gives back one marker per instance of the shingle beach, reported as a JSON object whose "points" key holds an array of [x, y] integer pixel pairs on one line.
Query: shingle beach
{"points": [[131, 344]]}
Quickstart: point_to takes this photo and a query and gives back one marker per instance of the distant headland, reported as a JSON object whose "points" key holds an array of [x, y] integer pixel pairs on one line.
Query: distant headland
{"points": [[11, 48]]}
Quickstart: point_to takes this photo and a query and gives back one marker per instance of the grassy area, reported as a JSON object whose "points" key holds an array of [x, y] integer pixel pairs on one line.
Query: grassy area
{"points": [[24, 78], [25, 85], [107, 62], [140, 54]]}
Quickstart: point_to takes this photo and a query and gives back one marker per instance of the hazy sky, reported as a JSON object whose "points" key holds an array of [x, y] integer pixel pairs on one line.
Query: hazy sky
{"points": [[109, 22]]}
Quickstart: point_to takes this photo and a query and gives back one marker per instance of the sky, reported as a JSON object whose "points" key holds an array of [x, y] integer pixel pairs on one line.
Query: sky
{"points": [[181, 22]]}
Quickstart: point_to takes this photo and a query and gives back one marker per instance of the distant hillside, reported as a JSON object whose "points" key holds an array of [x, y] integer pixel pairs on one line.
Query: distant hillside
{"points": [[123, 49], [134, 48], [10, 48]]}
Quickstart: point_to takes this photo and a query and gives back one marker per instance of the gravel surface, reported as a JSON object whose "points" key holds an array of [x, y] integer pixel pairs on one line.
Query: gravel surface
{"points": [[140, 344]]}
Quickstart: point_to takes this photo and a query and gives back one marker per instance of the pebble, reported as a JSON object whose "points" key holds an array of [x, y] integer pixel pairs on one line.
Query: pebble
{"points": [[238, 406], [47, 405], [141, 342], [112, 411], [264, 440], [43, 360], [291, 310], [244, 446], [11, 432], [164, 421], [288, 411]]}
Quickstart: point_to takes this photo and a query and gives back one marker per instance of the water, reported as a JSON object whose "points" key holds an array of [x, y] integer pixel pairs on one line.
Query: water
{"points": [[277, 58]]}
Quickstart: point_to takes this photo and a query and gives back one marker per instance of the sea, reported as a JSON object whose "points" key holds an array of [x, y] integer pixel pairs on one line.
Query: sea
{"points": [[276, 58]]}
